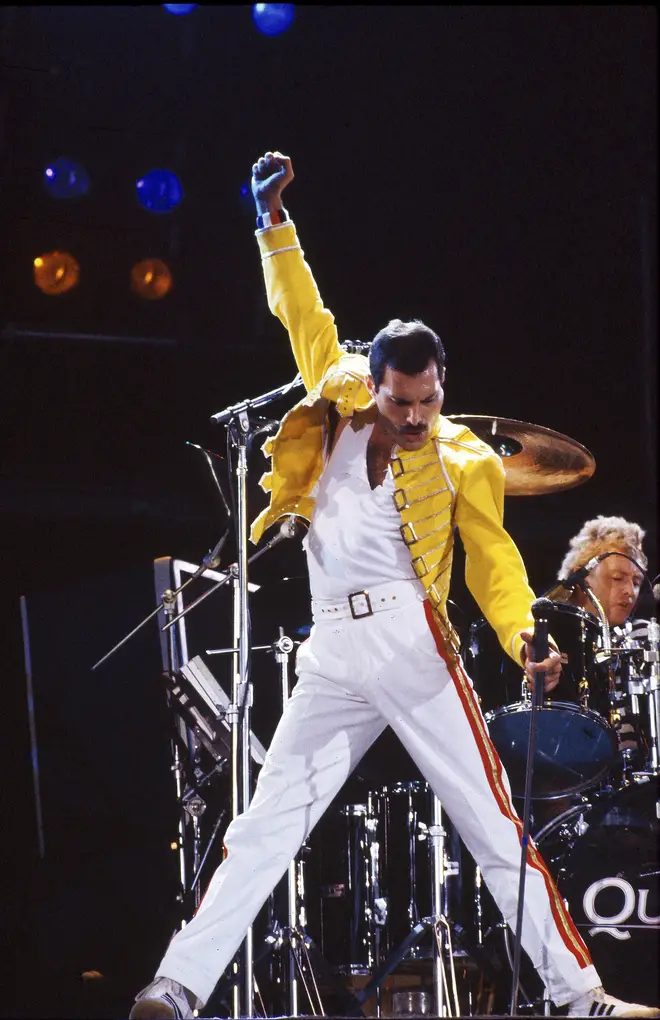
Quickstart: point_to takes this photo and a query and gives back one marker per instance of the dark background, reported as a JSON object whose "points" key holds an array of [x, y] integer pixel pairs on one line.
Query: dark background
{"points": [[491, 171]]}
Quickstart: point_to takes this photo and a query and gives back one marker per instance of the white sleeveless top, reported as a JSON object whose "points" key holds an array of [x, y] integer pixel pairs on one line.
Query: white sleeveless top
{"points": [[354, 540]]}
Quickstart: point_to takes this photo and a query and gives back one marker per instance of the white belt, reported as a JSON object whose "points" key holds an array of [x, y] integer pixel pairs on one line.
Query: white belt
{"points": [[359, 604]]}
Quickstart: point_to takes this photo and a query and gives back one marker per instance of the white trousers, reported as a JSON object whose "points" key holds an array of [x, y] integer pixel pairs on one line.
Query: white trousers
{"points": [[355, 677]]}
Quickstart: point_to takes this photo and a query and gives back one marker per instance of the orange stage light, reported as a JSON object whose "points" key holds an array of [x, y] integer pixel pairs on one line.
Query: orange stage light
{"points": [[56, 272], [151, 279]]}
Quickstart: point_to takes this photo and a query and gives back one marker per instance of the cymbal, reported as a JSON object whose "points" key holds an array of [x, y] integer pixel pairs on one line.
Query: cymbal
{"points": [[536, 460]]}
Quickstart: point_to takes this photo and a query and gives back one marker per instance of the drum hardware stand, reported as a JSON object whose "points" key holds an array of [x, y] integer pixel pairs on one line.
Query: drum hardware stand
{"points": [[182, 733], [650, 687], [291, 936], [194, 886], [294, 934], [437, 923], [652, 656], [437, 838], [195, 807], [540, 652], [607, 655], [635, 685]]}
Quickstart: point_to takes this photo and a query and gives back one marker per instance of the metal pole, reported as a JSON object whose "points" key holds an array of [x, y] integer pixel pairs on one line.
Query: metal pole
{"points": [[651, 656], [244, 702], [283, 647], [241, 775], [169, 602], [34, 751], [437, 836], [540, 649]]}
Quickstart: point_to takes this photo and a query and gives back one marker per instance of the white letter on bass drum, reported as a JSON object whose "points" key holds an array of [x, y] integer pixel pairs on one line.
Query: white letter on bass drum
{"points": [[608, 925]]}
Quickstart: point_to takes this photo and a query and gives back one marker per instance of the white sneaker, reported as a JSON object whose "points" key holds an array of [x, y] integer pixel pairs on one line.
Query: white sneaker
{"points": [[163, 999], [598, 1003]]}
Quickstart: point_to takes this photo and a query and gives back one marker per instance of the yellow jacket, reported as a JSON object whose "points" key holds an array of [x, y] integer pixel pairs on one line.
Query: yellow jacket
{"points": [[454, 480]]}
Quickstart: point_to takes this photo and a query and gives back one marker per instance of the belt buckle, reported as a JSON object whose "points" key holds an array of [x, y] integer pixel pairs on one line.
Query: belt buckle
{"points": [[355, 595]]}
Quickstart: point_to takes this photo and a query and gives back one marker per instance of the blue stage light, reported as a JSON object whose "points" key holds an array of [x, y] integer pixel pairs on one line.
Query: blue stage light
{"points": [[245, 190], [180, 8], [65, 178], [272, 19], [159, 191]]}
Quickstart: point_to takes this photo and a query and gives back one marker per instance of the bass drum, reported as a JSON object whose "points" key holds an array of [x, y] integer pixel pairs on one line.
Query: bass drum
{"points": [[605, 861], [603, 855]]}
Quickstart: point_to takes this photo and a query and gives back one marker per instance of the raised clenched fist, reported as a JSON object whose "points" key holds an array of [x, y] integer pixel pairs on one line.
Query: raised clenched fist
{"points": [[270, 175]]}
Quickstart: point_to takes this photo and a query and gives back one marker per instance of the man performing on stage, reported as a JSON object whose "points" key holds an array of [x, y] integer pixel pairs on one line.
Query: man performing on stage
{"points": [[384, 480]]}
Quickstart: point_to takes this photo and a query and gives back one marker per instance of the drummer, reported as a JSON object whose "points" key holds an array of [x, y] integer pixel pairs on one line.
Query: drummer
{"points": [[615, 581], [617, 577]]}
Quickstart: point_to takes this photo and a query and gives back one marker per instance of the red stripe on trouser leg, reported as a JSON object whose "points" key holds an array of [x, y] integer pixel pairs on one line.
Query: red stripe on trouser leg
{"points": [[494, 775]]}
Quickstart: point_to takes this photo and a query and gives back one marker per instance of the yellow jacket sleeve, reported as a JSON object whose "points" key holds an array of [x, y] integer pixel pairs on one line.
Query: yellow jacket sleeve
{"points": [[294, 298], [494, 570]]}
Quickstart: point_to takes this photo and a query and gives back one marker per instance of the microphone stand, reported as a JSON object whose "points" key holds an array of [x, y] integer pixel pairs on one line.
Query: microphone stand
{"points": [[239, 711], [169, 597], [193, 806], [539, 652], [236, 410], [236, 418], [606, 654]]}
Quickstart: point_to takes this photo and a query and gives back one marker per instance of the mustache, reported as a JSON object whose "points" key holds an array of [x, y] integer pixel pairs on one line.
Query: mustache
{"points": [[413, 430]]}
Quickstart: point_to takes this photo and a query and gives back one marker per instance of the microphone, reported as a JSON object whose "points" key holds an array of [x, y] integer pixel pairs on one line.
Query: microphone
{"points": [[540, 643], [266, 425], [540, 610], [356, 346], [289, 528], [579, 575], [212, 559]]}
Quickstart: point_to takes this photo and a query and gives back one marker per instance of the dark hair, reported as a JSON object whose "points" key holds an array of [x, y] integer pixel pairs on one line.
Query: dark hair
{"points": [[407, 347]]}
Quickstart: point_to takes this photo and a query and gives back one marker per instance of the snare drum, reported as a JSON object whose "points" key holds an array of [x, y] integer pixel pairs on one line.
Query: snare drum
{"points": [[575, 745]]}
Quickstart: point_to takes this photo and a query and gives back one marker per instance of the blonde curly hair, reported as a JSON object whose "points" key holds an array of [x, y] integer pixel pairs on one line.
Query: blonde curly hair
{"points": [[603, 534]]}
